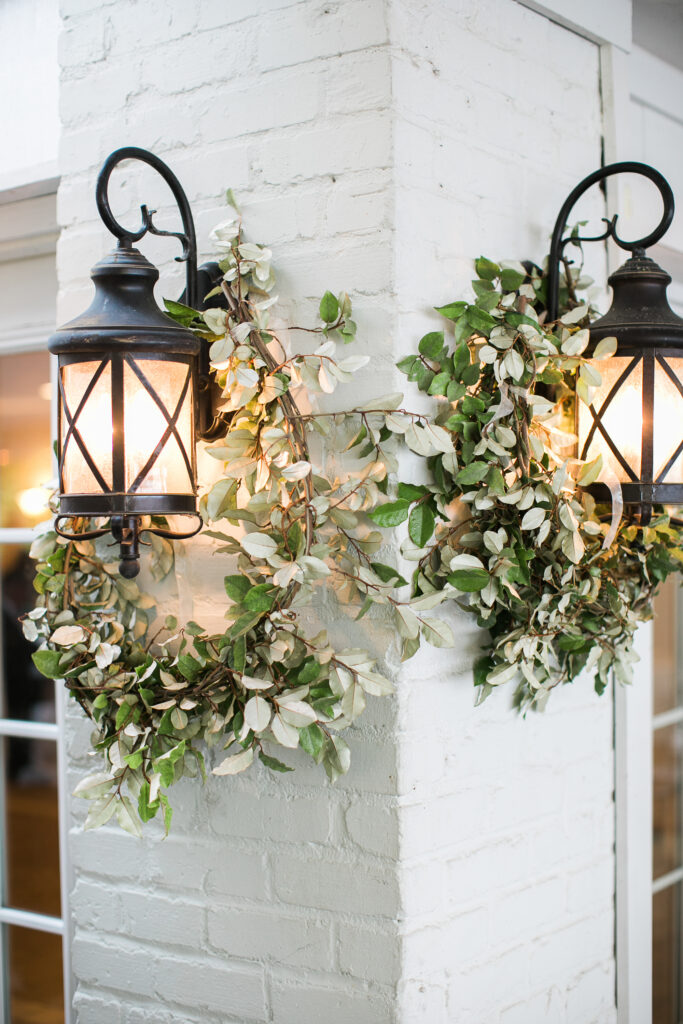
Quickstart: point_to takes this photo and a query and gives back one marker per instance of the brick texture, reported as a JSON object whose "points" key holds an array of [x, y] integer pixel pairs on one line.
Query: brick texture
{"points": [[461, 872]]}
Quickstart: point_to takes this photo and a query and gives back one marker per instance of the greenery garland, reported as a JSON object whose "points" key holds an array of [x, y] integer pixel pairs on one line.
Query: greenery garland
{"points": [[503, 528], [158, 691], [507, 520]]}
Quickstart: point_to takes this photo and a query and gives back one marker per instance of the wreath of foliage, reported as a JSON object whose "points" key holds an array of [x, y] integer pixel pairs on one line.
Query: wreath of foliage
{"points": [[507, 527], [504, 527], [158, 692]]}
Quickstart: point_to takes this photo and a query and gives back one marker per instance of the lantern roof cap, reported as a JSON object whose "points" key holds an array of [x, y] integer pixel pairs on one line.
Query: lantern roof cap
{"points": [[640, 316], [124, 312]]}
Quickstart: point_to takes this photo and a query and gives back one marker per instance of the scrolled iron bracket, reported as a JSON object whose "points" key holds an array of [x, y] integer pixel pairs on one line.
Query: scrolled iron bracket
{"points": [[636, 247], [198, 281]]}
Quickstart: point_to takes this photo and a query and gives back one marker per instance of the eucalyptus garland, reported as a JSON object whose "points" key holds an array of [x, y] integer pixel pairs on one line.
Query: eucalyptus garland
{"points": [[506, 527]]}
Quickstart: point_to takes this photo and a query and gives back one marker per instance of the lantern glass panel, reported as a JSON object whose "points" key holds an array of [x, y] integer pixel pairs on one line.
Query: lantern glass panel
{"points": [[668, 421], [622, 419], [146, 428], [93, 423]]}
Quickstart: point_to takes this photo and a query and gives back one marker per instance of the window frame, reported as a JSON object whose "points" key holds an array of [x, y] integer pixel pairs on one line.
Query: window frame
{"points": [[26, 242]]}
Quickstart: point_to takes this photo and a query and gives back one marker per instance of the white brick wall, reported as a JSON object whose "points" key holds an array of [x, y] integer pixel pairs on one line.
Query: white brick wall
{"points": [[506, 825], [462, 870]]}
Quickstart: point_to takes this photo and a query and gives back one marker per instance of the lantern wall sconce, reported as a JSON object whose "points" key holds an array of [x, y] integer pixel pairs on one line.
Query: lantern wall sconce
{"points": [[636, 418], [135, 388]]}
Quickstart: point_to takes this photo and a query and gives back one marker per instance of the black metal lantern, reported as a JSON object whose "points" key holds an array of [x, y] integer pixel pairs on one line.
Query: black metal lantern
{"points": [[134, 388], [636, 417]]}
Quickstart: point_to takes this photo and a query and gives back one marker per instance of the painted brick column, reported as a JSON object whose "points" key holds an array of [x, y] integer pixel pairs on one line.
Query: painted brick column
{"points": [[462, 871]]}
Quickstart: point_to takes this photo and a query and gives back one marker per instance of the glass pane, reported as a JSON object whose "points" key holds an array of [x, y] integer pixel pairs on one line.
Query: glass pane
{"points": [[31, 840], [35, 976], [623, 418], [24, 692], [668, 416], [667, 799], [666, 956], [146, 425], [93, 423], [25, 450], [667, 670]]}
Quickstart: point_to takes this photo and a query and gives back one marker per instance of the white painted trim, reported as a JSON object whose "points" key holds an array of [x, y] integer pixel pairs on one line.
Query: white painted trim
{"points": [[607, 21], [29, 339], [40, 243], [25, 729], [633, 799], [656, 84], [29, 919], [65, 870], [39, 180], [17, 535], [632, 705]]}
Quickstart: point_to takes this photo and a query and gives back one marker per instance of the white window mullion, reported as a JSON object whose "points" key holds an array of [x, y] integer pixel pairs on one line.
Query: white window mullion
{"points": [[20, 729], [31, 919]]}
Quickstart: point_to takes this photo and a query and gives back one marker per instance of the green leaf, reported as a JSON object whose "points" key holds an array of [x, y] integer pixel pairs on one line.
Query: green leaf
{"points": [[306, 673], [470, 375], [260, 598], [455, 390], [469, 580], [311, 739], [329, 308], [391, 514], [511, 280], [134, 760], [440, 383], [495, 480], [452, 311], [472, 474], [180, 313], [124, 712], [189, 667], [237, 587], [146, 810], [239, 653], [431, 345], [274, 764], [486, 269], [412, 492], [482, 667], [517, 319], [421, 524], [168, 812], [335, 757], [480, 320], [47, 662], [387, 573], [462, 330], [472, 404], [406, 364], [242, 625], [422, 375], [570, 642]]}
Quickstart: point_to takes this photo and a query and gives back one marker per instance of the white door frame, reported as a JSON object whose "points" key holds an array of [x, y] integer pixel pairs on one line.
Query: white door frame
{"points": [[608, 24], [35, 239]]}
